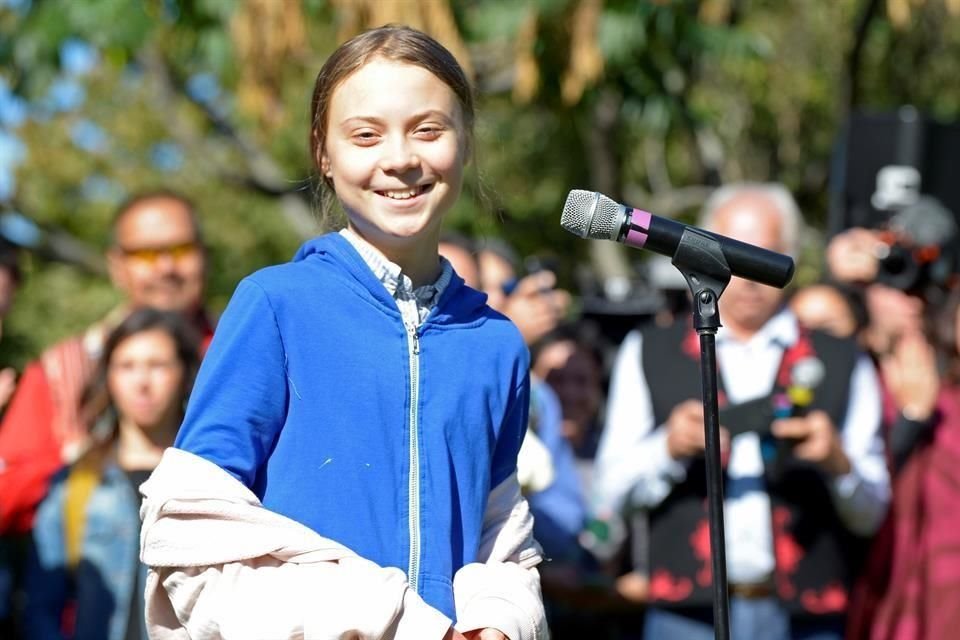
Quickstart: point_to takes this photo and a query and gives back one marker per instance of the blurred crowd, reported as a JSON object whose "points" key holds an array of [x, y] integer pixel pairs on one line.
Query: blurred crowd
{"points": [[840, 435]]}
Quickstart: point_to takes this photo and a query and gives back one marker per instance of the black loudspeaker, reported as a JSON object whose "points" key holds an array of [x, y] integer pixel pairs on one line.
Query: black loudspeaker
{"points": [[886, 161]]}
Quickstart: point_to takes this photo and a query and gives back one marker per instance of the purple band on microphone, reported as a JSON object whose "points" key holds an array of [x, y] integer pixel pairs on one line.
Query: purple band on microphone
{"points": [[639, 224]]}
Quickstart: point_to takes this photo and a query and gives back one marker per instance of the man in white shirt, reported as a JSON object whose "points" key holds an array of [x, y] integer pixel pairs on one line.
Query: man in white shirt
{"points": [[795, 514]]}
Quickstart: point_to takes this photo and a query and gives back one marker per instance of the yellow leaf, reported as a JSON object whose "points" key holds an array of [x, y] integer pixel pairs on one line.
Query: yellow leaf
{"points": [[899, 12], [586, 61], [526, 77]]}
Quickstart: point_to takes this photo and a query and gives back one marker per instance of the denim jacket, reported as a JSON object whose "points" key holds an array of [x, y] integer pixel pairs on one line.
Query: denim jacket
{"points": [[99, 590]]}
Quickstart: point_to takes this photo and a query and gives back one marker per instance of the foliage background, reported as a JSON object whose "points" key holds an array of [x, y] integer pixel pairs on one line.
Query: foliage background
{"points": [[651, 102]]}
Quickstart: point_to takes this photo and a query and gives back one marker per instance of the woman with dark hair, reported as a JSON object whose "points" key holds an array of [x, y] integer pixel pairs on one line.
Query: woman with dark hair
{"points": [[84, 578]]}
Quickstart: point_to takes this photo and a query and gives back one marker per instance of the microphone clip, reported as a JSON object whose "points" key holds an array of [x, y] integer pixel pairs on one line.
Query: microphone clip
{"points": [[699, 257]]}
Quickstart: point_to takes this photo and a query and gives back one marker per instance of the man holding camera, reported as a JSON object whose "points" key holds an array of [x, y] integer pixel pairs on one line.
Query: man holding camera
{"points": [[905, 269], [805, 474]]}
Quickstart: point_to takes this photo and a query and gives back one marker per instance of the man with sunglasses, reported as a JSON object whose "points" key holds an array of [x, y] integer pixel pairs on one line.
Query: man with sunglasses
{"points": [[156, 259]]}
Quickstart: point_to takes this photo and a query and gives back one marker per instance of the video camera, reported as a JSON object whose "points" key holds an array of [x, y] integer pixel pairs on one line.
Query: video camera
{"points": [[895, 172], [919, 253]]}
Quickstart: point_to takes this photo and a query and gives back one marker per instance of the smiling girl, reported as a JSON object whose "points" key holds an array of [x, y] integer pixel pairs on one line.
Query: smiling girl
{"points": [[347, 464]]}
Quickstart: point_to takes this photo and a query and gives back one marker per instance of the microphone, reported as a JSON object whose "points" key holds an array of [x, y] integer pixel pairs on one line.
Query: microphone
{"points": [[589, 214], [805, 376]]}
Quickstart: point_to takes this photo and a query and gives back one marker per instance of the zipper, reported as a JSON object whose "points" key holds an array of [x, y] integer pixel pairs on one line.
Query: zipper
{"points": [[413, 352]]}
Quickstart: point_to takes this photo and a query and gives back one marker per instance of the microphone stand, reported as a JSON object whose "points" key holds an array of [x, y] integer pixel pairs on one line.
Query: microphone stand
{"points": [[700, 259]]}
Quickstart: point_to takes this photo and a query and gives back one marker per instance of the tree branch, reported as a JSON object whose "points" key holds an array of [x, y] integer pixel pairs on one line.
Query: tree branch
{"points": [[55, 244], [850, 84], [263, 173]]}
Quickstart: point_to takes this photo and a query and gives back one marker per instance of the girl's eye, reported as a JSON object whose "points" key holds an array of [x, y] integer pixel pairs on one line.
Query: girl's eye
{"points": [[429, 132], [365, 137]]}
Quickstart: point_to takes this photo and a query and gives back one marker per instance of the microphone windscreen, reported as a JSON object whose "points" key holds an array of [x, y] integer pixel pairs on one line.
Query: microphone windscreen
{"points": [[589, 214], [808, 373]]}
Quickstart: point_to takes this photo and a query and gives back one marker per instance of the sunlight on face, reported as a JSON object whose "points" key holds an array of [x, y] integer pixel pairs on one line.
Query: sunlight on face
{"points": [[752, 218], [158, 261], [395, 151]]}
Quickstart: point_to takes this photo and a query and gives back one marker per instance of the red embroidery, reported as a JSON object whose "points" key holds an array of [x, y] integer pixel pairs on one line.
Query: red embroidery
{"points": [[800, 350], [700, 542], [832, 599], [788, 553], [781, 518], [663, 586]]}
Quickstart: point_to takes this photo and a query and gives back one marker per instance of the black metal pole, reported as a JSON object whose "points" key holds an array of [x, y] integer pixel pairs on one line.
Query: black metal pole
{"points": [[711, 422]]}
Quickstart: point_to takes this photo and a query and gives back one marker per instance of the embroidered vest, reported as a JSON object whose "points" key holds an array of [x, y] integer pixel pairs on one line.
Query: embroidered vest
{"points": [[816, 556]]}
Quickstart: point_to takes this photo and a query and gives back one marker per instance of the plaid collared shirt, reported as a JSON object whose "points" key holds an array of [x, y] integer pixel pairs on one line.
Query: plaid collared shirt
{"points": [[414, 304]]}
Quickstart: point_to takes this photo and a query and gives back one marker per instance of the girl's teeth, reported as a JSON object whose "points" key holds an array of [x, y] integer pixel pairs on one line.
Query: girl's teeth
{"points": [[401, 195]]}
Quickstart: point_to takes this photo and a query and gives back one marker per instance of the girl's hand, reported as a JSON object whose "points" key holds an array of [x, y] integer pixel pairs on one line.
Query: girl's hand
{"points": [[453, 634], [485, 634], [910, 373]]}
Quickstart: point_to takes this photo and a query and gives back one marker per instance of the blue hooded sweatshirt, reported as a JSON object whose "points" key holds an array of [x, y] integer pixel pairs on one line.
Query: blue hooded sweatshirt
{"points": [[383, 437]]}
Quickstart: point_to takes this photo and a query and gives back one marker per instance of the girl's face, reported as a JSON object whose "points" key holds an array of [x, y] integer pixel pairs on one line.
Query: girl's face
{"points": [[395, 150], [145, 378]]}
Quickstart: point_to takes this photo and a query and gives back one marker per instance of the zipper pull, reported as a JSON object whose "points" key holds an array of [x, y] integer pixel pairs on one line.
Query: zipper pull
{"points": [[414, 338]]}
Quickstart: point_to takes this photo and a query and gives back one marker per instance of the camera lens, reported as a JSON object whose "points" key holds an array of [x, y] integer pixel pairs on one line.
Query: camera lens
{"points": [[899, 270]]}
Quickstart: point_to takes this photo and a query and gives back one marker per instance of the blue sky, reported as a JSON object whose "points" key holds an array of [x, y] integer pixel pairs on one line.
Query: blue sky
{"points": [[66, 93], [17, 5]]}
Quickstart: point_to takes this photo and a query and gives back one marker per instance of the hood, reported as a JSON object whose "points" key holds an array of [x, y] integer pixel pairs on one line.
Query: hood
{"points": [[458, 304]]}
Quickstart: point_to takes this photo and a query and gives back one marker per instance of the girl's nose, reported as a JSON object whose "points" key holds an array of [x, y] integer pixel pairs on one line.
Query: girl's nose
{"points": [[398, 157]]}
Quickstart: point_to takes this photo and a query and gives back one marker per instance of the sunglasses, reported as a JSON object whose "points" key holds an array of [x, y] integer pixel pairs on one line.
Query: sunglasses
{"points": [[150, 255]]}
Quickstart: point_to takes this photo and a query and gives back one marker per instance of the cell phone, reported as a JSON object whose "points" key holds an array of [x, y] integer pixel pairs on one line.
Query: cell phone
{"points": [[753, 416], [533, 264]]}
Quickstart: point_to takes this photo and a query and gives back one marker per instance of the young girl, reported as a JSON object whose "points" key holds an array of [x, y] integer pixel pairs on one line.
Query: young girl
{"points": [[346, 467], [83, 579]]}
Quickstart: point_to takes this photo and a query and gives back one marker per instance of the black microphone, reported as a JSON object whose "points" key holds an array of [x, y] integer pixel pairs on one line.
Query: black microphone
{"points": [[589, 214]]}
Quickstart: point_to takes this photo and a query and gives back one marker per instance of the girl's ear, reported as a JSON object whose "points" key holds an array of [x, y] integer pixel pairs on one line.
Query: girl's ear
{"points": [[322, 160], [325, 166]]}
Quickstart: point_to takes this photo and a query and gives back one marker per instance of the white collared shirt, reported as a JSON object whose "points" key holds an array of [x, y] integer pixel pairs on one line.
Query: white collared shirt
{"points": [[414, 304], [633, 462]]}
